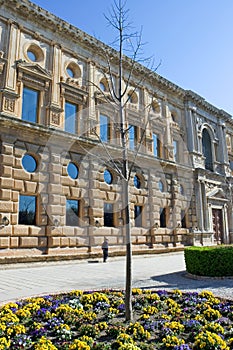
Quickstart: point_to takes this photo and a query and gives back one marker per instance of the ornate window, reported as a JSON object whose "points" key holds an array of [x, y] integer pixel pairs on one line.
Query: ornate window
{"points": [[34, 53], [161, 186], [133, 136], [207, 149], [156, 146], [137, 182], [73, 70], [176, 150], [27, 210]]}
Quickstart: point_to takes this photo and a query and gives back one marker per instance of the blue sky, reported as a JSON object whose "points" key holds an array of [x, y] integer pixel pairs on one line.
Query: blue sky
{"points": [[192, 38]]}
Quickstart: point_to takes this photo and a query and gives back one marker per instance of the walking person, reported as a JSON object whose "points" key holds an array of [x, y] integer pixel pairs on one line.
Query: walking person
{"points": [[105, 249]]}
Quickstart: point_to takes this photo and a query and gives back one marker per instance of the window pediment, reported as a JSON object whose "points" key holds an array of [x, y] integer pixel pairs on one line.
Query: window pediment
{"points": [[33, 69], [74, 92]]}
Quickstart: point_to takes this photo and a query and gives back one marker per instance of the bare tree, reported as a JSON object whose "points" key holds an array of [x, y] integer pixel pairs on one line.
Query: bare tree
{"points": [[128, 51]]}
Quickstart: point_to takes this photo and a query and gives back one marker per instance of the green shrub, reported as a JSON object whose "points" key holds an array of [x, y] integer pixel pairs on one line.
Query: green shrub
{"points": [[214, 261]]}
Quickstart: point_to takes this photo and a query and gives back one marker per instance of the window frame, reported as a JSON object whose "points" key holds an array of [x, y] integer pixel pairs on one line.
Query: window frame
{"points": [[133, 130], [36, 107], [35, 207], [106, 126], [69, 217], [74, 117], [138, 218], [163, 217], [111, 213]]}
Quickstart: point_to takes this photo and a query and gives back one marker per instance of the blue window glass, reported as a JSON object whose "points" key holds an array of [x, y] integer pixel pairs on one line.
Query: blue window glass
{"points": [[182, 190], [137, 182], [108, 177], [72, 212], [70, 117], [102, 86], [27, 210], [72, 170], [155, 143], [104, 128], [132, 137], [70, 72], [30, 105], [29, 163], [161, 186], [138, 215], [31, 56]]}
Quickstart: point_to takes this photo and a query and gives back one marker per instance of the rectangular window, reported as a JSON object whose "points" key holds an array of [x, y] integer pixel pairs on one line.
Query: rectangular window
{"points": [[156, 143], [30, 105], [72, 212], [70, 117], [108, 215], [132, 137], [27, 210], [104, 128], [163, 218], [183, 219], [175, 151], [138, 215]]}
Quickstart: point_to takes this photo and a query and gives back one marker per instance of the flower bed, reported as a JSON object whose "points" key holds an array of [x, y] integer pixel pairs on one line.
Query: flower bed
{"points": [[95, 320]]}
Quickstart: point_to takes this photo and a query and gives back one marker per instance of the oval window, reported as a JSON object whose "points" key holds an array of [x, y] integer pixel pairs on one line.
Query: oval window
{"points": [[108, 177], [70, 72], [31, 55], [29, 163], [137, 182], [72, 170], [161, 186]]}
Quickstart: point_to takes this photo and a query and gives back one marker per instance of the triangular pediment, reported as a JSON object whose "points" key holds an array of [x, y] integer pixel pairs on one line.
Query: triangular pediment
{"points": [[215, 192], [35, 69]]}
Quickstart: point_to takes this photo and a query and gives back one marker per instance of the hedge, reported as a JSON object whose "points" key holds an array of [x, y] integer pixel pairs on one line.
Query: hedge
{"points": [[214, 261]]}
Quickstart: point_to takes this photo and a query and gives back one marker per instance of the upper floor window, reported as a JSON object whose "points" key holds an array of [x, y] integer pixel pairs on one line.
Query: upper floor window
{"points": [[132, 137], [72, 212], [70, 117], [176, 150], [30, 104], [137, 182], [156, 146], [27, 210], [108, 178], [207, 150], [104, 128]]}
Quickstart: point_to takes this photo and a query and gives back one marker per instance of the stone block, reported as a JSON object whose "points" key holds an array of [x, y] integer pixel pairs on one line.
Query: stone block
{"points": [[53, 242], [6, 230], [55, 168], [54, 188], [6, 170], [64, 242], [14, 196], [7, 159], [14, 242], [21, 174], [28, 242], [7, 149], [20, 230], [75, 192], [68, 230], [54, 199], [4, 242], [72, 241], [30, 187], [19, 185], [42, 241], [36, 231], [14, 219], [5, 194], [6, 206]]}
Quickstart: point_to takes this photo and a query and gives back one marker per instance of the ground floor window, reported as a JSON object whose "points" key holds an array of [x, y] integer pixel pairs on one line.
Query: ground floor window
{"points": [[138, 215], [183, 219], [163, 217], [72, 212], [27, 210], [109, 214]]}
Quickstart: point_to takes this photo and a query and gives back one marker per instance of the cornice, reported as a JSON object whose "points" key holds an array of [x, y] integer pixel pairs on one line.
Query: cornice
{"points": [[31, 11]]}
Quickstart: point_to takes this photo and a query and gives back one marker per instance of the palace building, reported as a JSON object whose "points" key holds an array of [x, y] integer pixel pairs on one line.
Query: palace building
{"points": [[60, 191]]}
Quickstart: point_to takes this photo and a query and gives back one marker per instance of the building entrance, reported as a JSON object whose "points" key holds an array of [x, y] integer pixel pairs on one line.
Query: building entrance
{"points": [[217, 225]]}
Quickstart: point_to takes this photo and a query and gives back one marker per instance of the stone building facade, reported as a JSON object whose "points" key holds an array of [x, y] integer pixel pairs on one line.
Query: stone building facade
{"points": [[59, 193]]}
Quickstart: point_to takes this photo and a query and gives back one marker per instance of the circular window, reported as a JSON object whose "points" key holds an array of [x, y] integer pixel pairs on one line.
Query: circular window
{"points": [[161, 186], [137, 182], [102, 86], [72, 170], [73, 70], [29, 163], [108, 177], [31, 56]]}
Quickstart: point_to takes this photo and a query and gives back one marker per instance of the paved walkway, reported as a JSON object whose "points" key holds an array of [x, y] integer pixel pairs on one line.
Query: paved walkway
{"points": [[160, 271]]}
